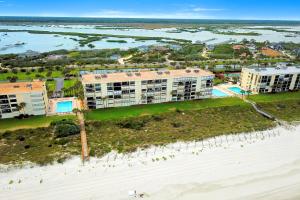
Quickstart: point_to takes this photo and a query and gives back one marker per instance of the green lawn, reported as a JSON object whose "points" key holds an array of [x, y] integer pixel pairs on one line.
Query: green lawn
{"points": [[30, 76], [140, 110], [51, 85], [32, 122], [69, 83], [275, 97]]}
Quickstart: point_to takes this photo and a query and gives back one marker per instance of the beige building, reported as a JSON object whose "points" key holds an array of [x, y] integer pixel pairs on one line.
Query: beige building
{"points": [[12, 95], [265, 80], [146, 87]]}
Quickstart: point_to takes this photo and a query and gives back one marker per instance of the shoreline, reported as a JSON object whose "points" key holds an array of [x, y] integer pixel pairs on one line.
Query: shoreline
{"points": [[260, 165]]}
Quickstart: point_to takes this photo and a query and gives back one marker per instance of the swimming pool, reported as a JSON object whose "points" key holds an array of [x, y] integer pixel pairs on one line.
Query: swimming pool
{"points": [[236, 90], [64, 106], [219, 93]]}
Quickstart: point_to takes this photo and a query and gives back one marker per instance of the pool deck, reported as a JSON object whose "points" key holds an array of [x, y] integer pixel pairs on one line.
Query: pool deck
{"points": [[225, 88], [53, 105]]}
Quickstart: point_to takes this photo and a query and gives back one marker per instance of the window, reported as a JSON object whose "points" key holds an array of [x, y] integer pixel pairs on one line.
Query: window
{"points": [[117, 84], [125, 83], [132, 83], [3, 96]]}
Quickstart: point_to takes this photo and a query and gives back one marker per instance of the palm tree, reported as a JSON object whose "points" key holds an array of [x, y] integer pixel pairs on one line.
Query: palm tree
{"points": [[21, 107], [198, 94], [76, 110], [249, 92], [243, 92]]}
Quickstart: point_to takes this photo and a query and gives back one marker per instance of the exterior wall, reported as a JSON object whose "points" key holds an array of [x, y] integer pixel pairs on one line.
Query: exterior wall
{"points": [[36, 104], [258, 82], [117, 94]]}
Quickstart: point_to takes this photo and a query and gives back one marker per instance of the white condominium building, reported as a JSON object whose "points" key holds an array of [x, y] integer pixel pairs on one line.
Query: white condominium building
{"points": [[264, 80], [32, 95], [146, 87]]}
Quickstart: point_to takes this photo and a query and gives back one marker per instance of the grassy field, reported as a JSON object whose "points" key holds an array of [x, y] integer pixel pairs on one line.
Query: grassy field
{"points": [[265, 98], [130, 134], [141, 110], [30, 76], [69, 83], [30, 123], [51, 85], [285, 106]]}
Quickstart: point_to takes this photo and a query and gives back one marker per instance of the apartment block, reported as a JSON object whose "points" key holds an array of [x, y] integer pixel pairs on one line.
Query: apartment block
{"points": [[146, 87], [265, 80], [32, 94]]}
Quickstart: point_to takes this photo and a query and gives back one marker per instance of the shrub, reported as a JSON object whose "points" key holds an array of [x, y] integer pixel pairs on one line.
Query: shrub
{"points": [[65, 130], [21, 138], [6, 135], [136, 124], [176, 124], [61, 141], [157, 118], [63, 121]]}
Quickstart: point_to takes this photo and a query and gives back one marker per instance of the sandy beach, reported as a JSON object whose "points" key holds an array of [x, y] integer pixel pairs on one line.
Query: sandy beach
{"points": [[260, 165]]}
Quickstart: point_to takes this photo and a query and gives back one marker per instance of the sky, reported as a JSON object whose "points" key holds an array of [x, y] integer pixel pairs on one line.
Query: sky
{"points": [[177, 9]]}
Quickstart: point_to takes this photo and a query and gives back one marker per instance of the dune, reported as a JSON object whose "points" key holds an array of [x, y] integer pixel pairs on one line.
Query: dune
{"points": [[259, 165]]}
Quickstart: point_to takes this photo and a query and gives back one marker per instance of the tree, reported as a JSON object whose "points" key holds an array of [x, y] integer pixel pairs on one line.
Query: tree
{"points": [[76, 110], [12, 79], [243, 92], [198, 94], [249, 92]]}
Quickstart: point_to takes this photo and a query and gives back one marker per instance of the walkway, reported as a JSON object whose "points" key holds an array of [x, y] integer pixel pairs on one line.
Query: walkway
{"points": [[84, 145], [59, 87], [263, 113]]}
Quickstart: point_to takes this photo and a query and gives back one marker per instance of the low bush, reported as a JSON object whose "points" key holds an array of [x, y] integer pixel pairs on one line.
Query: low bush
{"points": [[65, 130], [136, 124]]}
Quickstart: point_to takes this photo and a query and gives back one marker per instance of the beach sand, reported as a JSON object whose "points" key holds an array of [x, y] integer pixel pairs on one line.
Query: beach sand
{"points": [[261, 165]]}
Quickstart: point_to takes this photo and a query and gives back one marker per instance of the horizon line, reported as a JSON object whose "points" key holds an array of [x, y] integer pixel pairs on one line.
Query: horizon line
{"points": [[102, 17]]}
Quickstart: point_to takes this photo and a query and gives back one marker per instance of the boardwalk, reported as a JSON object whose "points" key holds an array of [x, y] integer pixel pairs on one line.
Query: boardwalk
{"points": [[263, 113], [85, 150]]}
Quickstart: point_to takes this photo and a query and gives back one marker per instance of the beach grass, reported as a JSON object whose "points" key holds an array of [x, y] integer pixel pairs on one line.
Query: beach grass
{"points": [[284, 106], [190, 125], [37, 145], [30, 123]]}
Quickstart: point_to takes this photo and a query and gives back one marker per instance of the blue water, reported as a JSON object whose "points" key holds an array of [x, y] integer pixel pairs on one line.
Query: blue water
{"points": [[218, 93], [64, 106], [236, 90]]}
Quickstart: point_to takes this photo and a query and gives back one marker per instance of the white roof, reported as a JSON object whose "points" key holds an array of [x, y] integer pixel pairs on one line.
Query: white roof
{"points": [[275, 70]]}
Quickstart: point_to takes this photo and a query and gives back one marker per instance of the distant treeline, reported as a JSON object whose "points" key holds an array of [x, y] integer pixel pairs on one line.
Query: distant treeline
{"points": [[76, 20]]}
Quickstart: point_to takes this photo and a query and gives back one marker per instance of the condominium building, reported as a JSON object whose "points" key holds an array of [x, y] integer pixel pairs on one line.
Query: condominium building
{"points": [[265, 80], [146, 87], [23, 98]]}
